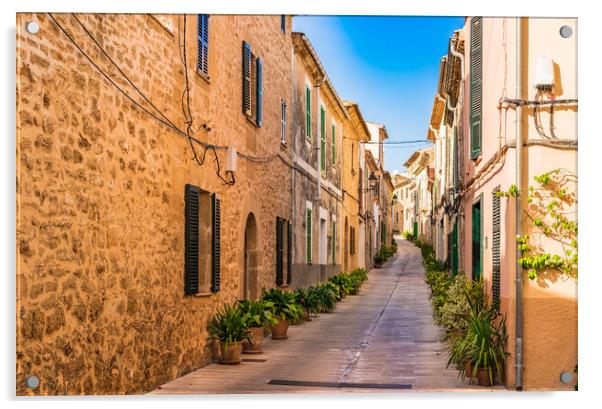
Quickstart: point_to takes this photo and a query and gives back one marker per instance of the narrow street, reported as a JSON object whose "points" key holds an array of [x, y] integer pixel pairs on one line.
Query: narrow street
{"points": [[383, 336]]}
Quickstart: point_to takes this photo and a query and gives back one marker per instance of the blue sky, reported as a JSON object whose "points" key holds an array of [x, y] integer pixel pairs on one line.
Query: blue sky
{"points": [[389, 65]]}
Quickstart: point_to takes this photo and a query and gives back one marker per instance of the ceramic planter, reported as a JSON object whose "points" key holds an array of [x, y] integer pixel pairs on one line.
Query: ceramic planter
{"points": [[483, 377], [230, 353], [253, 344], [280, 329]]}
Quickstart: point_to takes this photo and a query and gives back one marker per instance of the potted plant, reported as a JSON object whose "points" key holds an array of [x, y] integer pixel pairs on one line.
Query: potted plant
{"points": [[324, 297], [344, 284], [308, 300], [229, 326], [285, 310], [258, 314]]}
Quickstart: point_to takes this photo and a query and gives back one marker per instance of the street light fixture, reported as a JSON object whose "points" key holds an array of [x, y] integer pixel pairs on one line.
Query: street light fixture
{"points": [[372, 180]]}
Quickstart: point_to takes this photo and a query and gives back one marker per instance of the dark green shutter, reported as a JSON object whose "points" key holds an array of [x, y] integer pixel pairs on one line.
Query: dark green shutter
{"points": [[334, 145], [476, 91], [279, 252], [322, 139], [308, 112], [308, 233], [289, 253], [454, 250], [191, 239], [476, 240], [495, 250], [259, 92], [334, 242], [215, 242], [246, 78], [203, 43]]}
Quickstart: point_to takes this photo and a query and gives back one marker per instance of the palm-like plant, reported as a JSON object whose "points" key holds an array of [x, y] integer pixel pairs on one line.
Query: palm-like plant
{"points": [[257, 313], [327, 294], [284, 306], [229, 325]]}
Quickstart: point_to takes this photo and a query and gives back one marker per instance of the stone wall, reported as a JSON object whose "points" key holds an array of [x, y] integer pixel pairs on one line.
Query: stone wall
{"points": [[100, 194]]}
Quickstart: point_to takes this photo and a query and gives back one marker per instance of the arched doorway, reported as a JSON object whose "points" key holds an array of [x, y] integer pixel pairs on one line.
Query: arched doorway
{"points": [[249, 288]]}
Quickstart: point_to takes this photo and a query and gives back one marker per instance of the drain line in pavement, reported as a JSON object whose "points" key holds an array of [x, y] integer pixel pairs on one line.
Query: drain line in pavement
{"points": [[286, 382], [366, 341]]}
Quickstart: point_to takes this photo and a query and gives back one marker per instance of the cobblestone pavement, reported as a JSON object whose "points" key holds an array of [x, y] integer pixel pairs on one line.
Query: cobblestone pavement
{"points": [[384, 335]]}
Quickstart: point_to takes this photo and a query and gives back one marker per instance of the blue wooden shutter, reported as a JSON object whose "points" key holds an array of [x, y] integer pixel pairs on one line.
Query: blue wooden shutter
{"points": [[191, 239], [259, 92], [476, 91], [246, 78], [279, 252], [283, 23], [215, 243], [203, 43]]}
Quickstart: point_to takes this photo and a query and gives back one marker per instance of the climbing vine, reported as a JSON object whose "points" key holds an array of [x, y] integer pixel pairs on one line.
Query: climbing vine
{"points": [[551, 203]]}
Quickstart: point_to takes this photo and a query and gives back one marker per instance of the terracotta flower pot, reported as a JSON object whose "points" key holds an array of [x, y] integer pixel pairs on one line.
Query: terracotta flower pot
{"points": [[280, 329], [253, 344], [483, 377], [467, 369], [306, 316], [230, 353]]}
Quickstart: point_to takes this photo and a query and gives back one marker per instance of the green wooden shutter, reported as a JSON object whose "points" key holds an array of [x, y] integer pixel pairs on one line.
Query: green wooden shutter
{"points": [[289, 253], [246, 78], [334, 145], [495, 250], [191, 239], [334, 242], [454, 250], [279, 251], [203, 43], [476, 240], [308, 112], [476, 91], [259, 92], [308, 234], [322, 139], [215, 243]]}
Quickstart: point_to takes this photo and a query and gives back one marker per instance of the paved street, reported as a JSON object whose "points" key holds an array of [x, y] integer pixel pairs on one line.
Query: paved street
{"points": [[384, 335]]}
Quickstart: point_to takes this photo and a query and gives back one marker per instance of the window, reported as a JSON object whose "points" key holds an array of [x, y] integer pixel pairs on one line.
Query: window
{"points": [[476, 92], [283, 241], [352, 155], [202, 226], [308, 234], [476, 240], [283, 23], [334, 242], [334, 145], [283, 121], [308, 112], [352, 240], [495, 250], [252, 85], [202, 64], [322, 139]]}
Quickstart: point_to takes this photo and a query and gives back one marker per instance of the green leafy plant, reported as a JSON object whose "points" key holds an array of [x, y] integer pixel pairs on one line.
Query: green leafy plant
{"points": [[408, 235], [327, 294], [284, 306], [229, 325], [257, 313], [343, 282], [308, 299]]}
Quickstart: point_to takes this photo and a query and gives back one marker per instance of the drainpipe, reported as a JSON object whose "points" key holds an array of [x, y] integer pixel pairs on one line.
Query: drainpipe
{"points": [[519, 183]]}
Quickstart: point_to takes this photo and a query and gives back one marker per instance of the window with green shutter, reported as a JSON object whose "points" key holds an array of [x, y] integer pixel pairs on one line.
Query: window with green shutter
{"points": [[308, 112], [334, 242], [322, 139], [334, 145], [308, 234], [476, 92], [476, 240], [495, 249]]}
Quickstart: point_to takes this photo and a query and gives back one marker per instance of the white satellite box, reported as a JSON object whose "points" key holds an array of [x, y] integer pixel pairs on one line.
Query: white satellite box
{"points": [[544, 74], [231, 159]]}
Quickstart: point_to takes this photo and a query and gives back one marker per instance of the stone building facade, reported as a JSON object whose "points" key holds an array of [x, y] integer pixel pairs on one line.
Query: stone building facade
{"points": [[355, 131], [318, 118], [102, 189]]}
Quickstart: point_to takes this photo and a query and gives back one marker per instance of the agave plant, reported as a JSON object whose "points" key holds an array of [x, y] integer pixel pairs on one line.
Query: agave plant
{"points": [[284, 306], [229, 325], [257, 313]]}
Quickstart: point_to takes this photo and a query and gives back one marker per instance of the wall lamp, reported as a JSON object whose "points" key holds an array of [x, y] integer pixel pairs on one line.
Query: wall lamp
{"points": [[372, 180]]}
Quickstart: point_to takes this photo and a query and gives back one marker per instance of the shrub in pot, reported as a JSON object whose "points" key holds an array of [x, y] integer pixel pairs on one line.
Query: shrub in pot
{"points": [[229, 326], [285, 310], [258, 315], [344, 284], [308, 300], [326, 295]]}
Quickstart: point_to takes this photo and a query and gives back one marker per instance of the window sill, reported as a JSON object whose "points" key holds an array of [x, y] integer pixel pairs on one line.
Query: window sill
{"points": [[251, 120], [204, 294], [204, 76]]}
